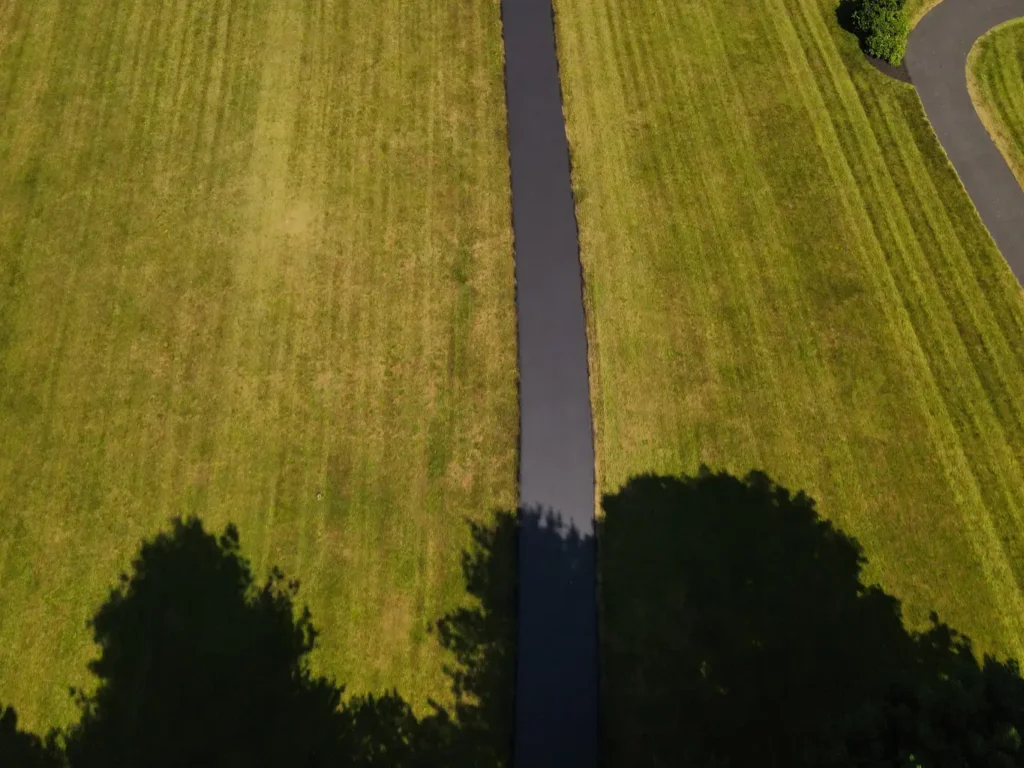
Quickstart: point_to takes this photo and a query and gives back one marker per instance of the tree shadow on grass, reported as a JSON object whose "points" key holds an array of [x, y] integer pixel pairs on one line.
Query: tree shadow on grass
{"points": [[737, 632], [201, 665], [481, 640]]}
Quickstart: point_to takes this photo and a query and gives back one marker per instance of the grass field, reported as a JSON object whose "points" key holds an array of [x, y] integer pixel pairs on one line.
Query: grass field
{"points": [[916, 9], [784, 273], [255, 264], [995, 76]]}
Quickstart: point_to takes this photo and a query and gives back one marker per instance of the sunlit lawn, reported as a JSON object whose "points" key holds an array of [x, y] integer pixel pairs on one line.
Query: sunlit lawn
{"points": [[256, 265], [996, 79], [783, 273]]}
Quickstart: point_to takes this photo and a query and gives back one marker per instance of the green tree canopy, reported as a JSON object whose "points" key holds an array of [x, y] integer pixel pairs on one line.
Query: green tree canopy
{"points": [[883, 29]]}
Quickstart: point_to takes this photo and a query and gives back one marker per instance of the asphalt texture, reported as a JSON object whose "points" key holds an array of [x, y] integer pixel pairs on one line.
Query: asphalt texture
{"points": [[557, 666], [937, 61]]}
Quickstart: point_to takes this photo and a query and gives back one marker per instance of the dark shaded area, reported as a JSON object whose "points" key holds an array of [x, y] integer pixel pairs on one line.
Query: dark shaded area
{"points": [[557, 675], [846, 12], [199, 665], [482, 641], [737, 632], [895, 71], [22, 749]]}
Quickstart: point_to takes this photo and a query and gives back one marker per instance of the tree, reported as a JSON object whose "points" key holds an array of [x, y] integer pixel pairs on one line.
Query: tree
{"points": [[200, 665], [883, 29]]}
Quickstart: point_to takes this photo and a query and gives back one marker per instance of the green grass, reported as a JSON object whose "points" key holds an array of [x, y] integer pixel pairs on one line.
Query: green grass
{"points": [[995, 76], [784, 273], [256, 265], [916, 9]]}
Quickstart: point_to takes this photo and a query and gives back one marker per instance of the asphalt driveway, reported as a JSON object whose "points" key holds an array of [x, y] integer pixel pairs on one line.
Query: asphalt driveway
{"points": [[557, 666], [937, 61]]}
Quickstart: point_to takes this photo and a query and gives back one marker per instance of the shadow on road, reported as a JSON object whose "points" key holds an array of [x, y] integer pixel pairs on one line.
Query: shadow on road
{"points": [[557, 680], [736, 631]]}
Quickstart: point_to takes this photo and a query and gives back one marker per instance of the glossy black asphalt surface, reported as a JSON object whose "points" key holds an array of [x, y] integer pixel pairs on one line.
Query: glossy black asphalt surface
{"points": [[937, 61], [557, 671]]}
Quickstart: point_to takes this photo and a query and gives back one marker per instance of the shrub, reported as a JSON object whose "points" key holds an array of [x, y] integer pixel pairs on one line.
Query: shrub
{"points": [[883, 28]]}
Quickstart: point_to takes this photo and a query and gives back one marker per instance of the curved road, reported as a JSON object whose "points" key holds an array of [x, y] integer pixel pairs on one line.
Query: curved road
{"points": [[557, 666], [937, 61]]}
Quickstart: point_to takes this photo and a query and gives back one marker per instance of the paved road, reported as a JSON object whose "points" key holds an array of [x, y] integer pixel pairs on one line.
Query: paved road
{"points": [[937, 61], [557, 673]]}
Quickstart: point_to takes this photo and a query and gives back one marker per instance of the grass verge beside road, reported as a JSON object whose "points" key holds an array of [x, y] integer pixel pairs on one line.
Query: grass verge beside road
{"points": [[916, 9], [784, 273], [995, 78], [255, 265]]}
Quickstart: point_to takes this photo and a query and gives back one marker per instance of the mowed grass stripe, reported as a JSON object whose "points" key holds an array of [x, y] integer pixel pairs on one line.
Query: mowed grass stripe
{"points": [[995, 71], [953, 364], [989, 546], [259, 269], [773, 219], [949, 279], [783, 272]]}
